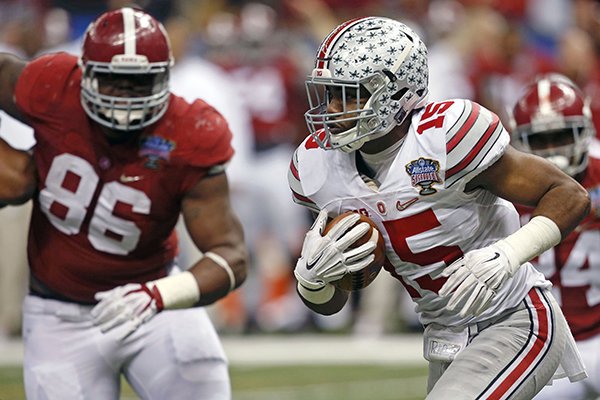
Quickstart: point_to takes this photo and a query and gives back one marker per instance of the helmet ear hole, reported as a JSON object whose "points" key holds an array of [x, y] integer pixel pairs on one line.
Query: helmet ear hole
{"points": [[399, 94]]}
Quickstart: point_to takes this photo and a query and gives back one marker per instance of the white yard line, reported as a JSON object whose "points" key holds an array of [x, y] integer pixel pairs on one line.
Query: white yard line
{"points": [[263, 350]]}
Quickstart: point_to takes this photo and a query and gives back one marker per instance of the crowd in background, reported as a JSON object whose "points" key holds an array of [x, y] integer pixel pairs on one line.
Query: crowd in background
{"points": [[249, 60]]}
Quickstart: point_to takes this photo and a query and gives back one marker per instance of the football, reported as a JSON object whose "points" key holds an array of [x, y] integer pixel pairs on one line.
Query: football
{"points": [[361, 279]]}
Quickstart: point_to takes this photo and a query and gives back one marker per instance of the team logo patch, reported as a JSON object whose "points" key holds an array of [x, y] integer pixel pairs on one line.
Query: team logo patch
{"points": [[155, 149], [424, 172]]}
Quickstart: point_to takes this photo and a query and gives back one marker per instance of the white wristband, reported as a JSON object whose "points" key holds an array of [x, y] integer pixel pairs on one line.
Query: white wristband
{"points": [[179, 290], [531, 240], [221, 262], [319, 296]]}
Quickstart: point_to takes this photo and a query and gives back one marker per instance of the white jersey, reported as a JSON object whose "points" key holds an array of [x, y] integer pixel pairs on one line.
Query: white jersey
{"points": [[427, 219]]}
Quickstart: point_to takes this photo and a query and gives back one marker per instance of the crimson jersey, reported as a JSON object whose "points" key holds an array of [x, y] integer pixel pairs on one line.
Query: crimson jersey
{"points": [[573, 266], [104, 214]]}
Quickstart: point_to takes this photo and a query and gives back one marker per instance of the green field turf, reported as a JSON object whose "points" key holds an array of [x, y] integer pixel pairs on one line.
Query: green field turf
{"points": [[322, 382]]}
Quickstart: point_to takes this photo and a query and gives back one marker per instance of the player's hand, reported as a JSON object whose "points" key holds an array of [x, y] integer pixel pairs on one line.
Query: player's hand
{"points": [[127, 306], [327, 258], [474, 279]]}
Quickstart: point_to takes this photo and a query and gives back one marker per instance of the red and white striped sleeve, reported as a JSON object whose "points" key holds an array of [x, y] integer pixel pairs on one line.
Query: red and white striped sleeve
{"points": [[474, 141], [298, 194]]}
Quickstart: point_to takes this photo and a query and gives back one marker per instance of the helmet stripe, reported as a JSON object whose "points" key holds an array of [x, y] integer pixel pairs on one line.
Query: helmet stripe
{"points": [[544, 97], [129, 31], [332, 38]]}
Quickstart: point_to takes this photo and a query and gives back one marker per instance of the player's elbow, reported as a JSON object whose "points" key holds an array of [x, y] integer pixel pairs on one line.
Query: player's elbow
{"points": [[582, 200]]}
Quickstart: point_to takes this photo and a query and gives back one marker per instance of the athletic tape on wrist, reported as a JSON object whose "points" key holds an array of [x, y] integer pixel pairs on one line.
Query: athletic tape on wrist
{"points": [[318, 296], [178, 291], [531, 240], [221, 262]]}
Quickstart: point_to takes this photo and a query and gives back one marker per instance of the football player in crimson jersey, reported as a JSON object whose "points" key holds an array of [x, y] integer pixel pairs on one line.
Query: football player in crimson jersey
{"points": [[552, 119], [438, 179], [118, 157]]}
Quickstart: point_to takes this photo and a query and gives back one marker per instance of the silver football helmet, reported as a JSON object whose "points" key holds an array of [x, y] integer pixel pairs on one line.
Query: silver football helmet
{"points": [[378, 68]]}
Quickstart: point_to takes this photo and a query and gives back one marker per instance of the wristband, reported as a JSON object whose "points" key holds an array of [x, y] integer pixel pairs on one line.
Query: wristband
{"points": [[178, 291], [221, 262], [317, 296], [531, 240]]}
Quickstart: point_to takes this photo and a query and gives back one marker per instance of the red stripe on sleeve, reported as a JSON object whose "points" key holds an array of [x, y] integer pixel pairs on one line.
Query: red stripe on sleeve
{"points": [[294, 170], [302, 198], [475, 151], [464, 129]]}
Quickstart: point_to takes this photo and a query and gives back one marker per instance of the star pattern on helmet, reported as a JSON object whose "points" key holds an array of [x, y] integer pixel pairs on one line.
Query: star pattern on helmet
{"points": [[365, 49]]}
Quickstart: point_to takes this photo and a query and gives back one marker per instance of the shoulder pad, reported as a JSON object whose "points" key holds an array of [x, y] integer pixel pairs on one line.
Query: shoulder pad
{"points": [[475, 139], [48, 82], [201, 134]]}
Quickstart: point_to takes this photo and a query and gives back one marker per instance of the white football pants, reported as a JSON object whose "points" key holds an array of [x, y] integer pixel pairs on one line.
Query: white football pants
{"points": [[586, 389], [175, 355], [512, 358]]}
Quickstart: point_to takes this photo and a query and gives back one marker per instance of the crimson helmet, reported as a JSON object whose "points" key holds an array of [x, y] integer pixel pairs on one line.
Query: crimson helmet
{"points": [[552, 119], [379, 66], [130, 47]]}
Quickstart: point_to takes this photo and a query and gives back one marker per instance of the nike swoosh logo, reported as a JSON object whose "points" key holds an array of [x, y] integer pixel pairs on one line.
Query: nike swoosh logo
{"points": [[310, 266], [496, 255], [126, 178]]}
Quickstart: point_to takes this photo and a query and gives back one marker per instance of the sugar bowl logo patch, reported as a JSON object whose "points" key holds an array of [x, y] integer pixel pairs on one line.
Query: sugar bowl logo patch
{"points": [[155, 149], [424, 172]]}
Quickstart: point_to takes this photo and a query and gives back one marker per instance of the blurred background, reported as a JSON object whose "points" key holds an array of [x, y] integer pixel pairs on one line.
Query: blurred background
{"points": [[249, 59]]}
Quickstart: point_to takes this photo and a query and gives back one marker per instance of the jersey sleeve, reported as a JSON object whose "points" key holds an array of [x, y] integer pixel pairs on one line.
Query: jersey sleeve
{"points": [[295, 183], [204, 137], [203, 141], [43, 83], [308, 174], [475, 139]]}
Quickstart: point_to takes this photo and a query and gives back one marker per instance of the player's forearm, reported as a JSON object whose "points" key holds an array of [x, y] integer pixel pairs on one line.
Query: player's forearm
{"points": [[326, 301], [221, 270], [566, 204]]}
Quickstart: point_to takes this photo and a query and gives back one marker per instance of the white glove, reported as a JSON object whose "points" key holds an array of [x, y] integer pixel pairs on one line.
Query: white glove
{"points": [[327, 258], [130, 305], [474, 279]]}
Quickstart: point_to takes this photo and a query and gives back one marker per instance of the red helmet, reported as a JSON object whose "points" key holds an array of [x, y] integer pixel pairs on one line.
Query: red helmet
{"points": [[125, 45], [552, 119]]}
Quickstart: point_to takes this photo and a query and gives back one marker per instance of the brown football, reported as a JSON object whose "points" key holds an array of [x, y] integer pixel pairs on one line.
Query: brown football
{"points": [[361, 279]]}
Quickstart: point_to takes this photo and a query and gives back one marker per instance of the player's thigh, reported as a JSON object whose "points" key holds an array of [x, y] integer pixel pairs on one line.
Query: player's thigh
{"points": [[511, 359], [66, 357], [181, 358]]}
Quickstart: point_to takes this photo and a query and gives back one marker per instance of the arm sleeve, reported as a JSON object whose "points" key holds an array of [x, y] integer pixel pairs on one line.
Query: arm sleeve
{"points": [[475, 139]]}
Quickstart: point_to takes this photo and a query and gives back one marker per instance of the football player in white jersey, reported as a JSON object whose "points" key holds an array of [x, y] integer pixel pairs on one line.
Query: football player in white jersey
{"points": [[552, 119], [438, 179]]}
